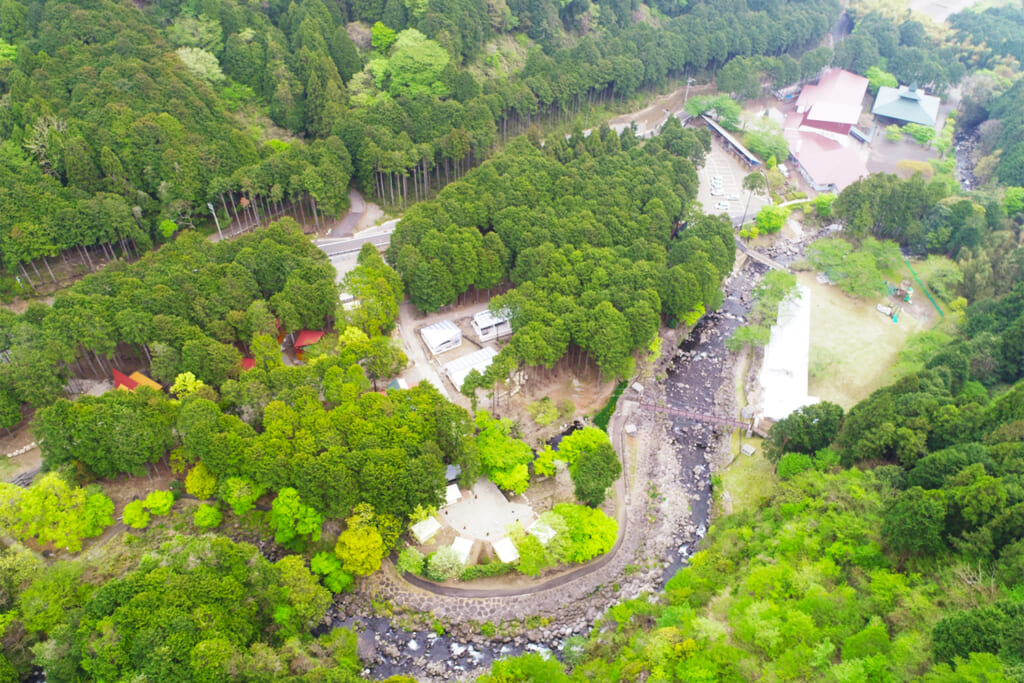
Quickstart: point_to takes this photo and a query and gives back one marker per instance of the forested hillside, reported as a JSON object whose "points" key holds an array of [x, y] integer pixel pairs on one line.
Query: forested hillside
{"points": [[586, 231], [118, 124], [892, 549]]}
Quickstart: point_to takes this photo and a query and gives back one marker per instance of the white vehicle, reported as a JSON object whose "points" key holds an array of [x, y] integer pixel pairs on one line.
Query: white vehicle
{"points": [[716, 178], [717, 193], [734, 198]]}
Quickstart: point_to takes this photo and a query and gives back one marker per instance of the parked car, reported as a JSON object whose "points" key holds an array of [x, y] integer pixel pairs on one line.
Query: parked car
{"points": [[717, 193]]}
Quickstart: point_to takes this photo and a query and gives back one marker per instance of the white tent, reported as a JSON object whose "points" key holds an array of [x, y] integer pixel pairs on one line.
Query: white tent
{"points": [[505, 550], [460, 368], [462, 547], [442, 336], [425, 530], [452, 494], [488, 326]]}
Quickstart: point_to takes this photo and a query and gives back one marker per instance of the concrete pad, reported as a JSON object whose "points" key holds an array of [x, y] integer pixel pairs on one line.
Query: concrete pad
{"points": [[485, 513]]}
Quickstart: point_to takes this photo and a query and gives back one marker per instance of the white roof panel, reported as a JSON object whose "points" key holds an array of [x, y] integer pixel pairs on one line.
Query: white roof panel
{"points": [[505, 550], [462, 547], [425, 530], [437, 334], [452, 494], [488, 319], [459, 369]]}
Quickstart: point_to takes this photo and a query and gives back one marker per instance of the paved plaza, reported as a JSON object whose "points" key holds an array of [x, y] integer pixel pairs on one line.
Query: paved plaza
{"points": [[485, 514]]}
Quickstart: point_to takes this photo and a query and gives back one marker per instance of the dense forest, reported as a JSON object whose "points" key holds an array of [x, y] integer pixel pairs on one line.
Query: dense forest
{"points": [[585, 230], [118, 125], [892, 549]]}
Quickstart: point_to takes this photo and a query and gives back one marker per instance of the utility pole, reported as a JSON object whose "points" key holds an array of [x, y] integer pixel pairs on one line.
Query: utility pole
{"points": [[689, 82], [215, 220]]}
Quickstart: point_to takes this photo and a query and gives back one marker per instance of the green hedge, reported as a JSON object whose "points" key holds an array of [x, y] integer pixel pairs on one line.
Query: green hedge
{"points": [[602, 418]]}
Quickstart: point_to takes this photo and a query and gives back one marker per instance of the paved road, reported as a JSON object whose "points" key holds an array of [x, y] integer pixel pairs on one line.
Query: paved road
{"points": [[351, 245], [342, 251], [347, 225]]}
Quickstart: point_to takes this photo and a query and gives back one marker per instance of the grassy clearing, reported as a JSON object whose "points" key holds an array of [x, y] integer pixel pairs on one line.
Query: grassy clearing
{"points": [[7, 468], [853, 346], [749, 479]]}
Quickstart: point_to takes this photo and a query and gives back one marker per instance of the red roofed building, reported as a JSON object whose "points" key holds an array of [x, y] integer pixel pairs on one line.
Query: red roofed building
{"points": [[123, 381], [133, 381], [248, 364], [308, 338], [304, 339], [826, 164], [833, 105]]}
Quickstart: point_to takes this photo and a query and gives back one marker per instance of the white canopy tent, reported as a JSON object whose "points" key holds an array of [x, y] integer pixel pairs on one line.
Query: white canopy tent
{"points": [[425, 530], [505, 550], [441, 336], [462, 547]]}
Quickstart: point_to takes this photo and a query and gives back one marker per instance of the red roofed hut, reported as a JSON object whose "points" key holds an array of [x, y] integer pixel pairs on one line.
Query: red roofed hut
{"points": [[306, 338], [133, 381]]}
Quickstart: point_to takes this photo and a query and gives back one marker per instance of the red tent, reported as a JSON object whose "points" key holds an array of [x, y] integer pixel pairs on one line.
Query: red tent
{"points": [[248, 364], [308, 337]]}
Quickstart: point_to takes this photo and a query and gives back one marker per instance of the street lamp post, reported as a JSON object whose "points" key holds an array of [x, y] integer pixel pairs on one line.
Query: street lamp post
{"points": [[216, 220]]}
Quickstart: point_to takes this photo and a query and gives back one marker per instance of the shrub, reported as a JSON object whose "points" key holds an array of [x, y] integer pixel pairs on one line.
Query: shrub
{"points": [[208, 517], [201, 482], [328, 566], [410, 560], [793, 464], [825, 459], [921, 134], [135, 515], [444, 565], [543, 412], [159, 502], [602, 418], [339, 581], [422, 513], [240, 493], [478, 571], [590, 532]]}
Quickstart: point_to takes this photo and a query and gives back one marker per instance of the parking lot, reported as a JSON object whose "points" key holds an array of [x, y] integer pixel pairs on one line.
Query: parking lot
{"points": [[723, 176]]}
